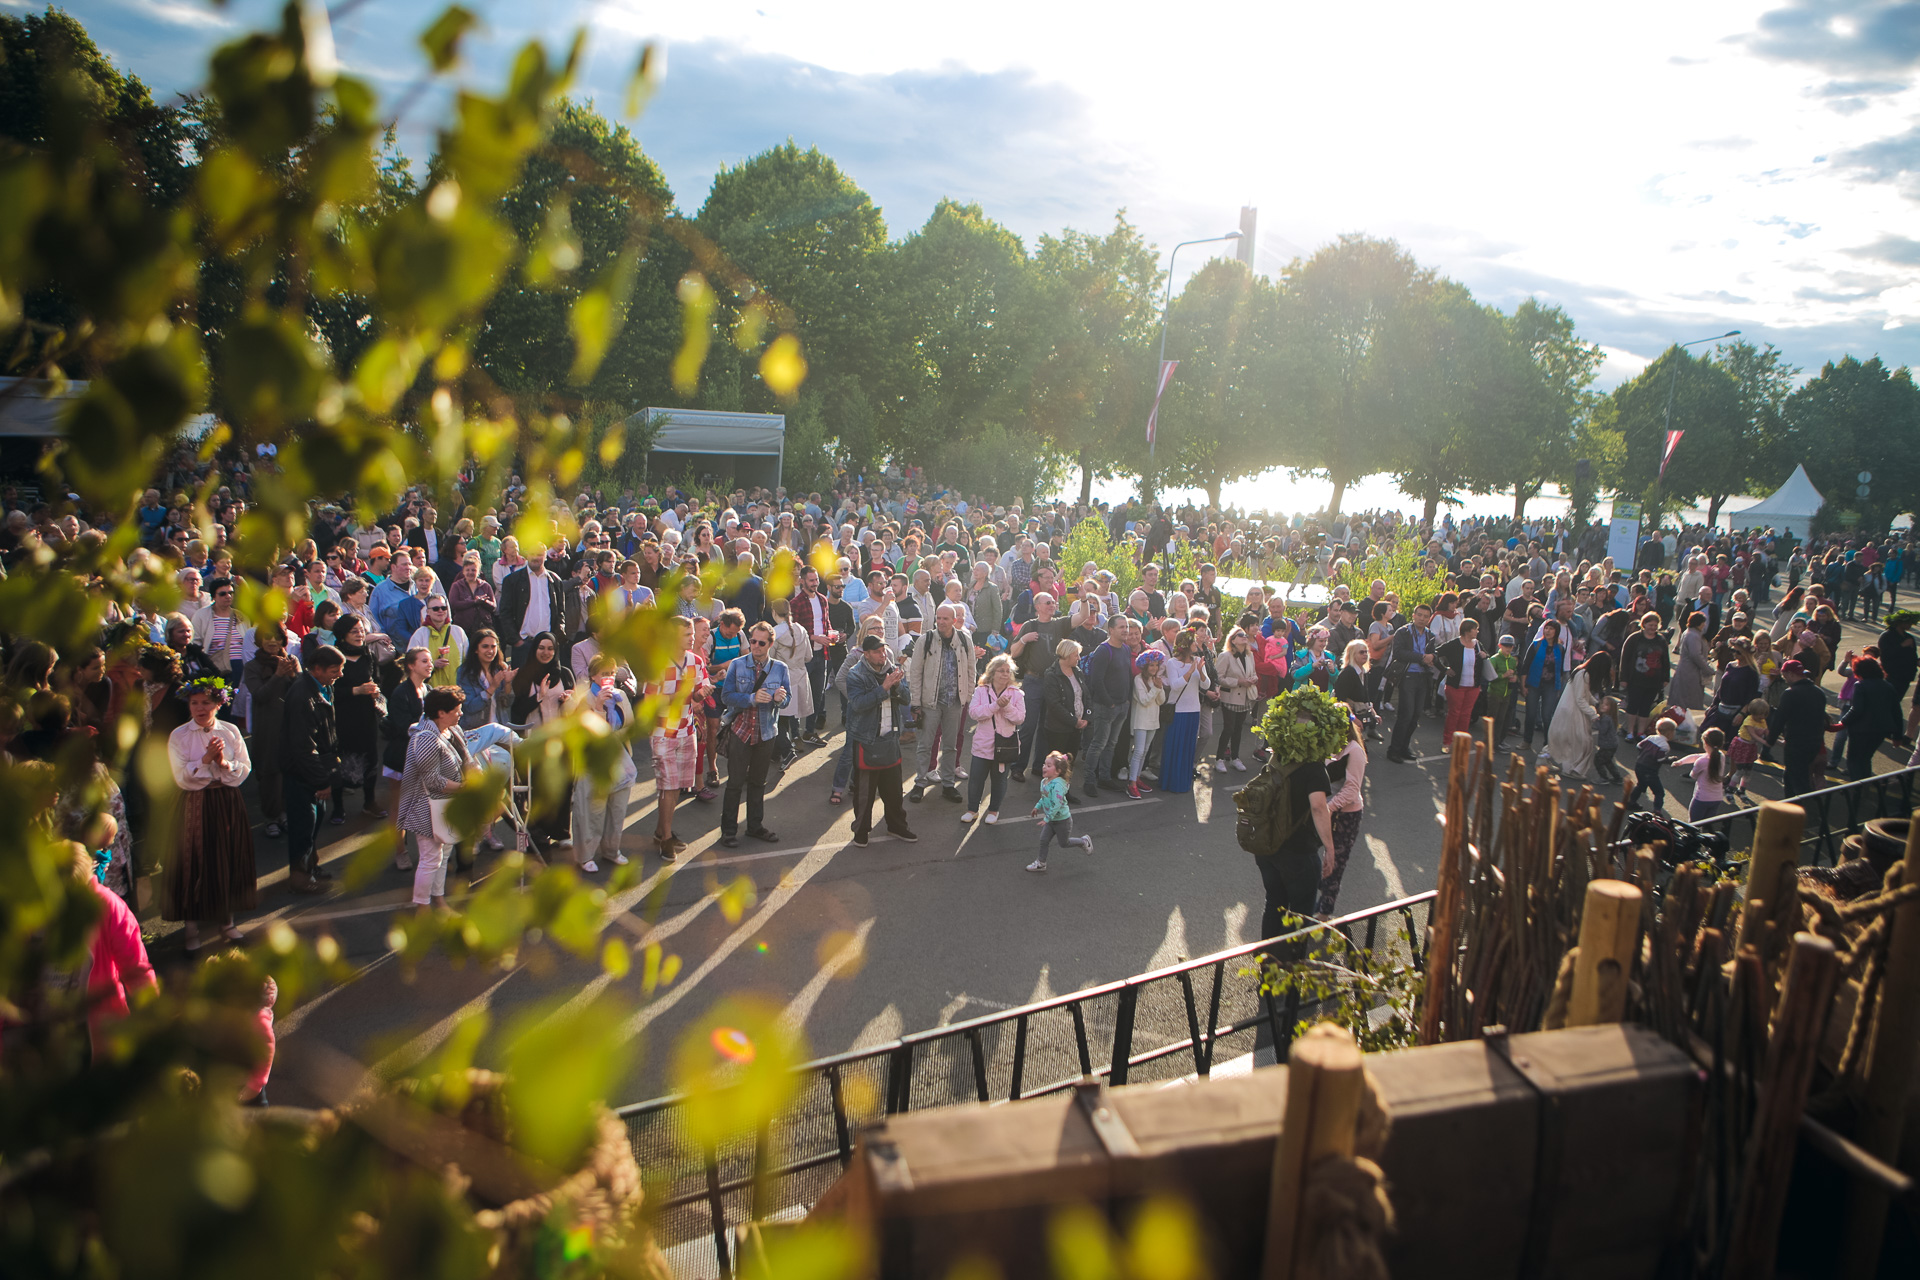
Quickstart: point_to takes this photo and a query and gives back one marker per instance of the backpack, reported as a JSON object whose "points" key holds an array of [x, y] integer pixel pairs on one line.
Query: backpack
{"points": [[1268, 816]]}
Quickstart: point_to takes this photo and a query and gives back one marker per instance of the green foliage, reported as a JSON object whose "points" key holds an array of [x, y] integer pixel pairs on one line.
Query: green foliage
{"points": [[998, 463], [1718, 456], [1304, 724], [1400, 566], [1857, 416], [1089, 540], [1219, 411], [1373, 994]]}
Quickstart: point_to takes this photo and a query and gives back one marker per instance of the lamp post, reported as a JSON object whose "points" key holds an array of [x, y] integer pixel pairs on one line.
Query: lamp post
{"points": [[1673, 381], [1166, 305]]}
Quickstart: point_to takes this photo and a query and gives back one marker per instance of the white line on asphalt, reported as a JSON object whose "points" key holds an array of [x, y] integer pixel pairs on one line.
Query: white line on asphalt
{"points": [[286, 1026], [850, 955]]}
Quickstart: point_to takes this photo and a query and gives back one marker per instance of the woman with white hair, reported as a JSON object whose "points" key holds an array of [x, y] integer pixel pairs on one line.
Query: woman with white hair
{"points": [[997, 710]]}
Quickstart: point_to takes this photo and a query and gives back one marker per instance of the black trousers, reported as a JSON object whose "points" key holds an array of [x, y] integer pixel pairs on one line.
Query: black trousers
{"points": [[1292, 882], [1796, 766], [1411, 699], [886, 784], [747, 767]]}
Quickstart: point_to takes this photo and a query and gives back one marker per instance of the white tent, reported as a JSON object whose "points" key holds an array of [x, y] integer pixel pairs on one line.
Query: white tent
{"points": [[751, 447], [1790, 510]]}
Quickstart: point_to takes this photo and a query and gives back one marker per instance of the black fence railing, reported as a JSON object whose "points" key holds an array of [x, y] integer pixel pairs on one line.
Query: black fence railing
{"points": [[1833, 813], [1163, 1025]]}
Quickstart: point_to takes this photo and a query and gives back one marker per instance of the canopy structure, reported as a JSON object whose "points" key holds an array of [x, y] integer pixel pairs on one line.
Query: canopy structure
{"points": [[1789, 510], [32, 407], [749, 447]]}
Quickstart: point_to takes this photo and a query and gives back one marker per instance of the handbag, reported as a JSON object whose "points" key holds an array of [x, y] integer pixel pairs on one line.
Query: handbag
{"points": [[1006, 748], [437, 814], [884, 754]]}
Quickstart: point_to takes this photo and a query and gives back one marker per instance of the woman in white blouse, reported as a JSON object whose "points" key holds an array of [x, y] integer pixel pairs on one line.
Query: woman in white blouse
{"points": [[211, 873], [793, 646]]}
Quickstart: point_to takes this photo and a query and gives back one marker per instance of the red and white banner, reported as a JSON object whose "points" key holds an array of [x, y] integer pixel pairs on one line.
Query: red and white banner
{"points": [[1166, 375], [1673, 442]]}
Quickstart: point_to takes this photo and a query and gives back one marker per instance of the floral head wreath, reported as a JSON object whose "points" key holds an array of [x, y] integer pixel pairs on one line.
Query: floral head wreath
{"points": [[213, 686]]}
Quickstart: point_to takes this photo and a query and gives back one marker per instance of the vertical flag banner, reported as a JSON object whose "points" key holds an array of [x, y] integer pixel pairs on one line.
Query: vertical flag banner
{"points": [[1166, 375], [1673, 442]]}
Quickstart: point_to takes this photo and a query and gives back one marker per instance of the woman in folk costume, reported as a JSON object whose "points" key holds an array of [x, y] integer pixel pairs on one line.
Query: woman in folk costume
{"points": [[211, 873], [1570, 735]]}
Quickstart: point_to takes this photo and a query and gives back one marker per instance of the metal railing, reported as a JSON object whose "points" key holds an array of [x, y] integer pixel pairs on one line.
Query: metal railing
{"points": [[1153, 1026], [1833, 813]]}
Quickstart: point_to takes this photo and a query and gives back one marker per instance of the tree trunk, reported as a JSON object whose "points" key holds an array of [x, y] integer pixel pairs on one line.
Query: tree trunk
{"points": [[1339, 492], [1520, 496], [1213, 490], [1086, 478], [1713, 509], [1432, 497]]}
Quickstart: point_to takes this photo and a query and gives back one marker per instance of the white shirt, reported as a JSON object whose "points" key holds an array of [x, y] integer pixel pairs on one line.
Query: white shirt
{"points": [[539, 615], [187, 746], [1469, 664]]}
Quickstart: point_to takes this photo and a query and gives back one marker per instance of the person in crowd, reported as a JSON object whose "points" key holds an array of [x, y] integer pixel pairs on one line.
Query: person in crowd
{"points": [[1238, 681], [674, 738], [1415, 666], [1572, 735], [1709, 769], [995, 709], [1344, 807], [876, 708], [1873, 717], [1066, 703], [481, 677], [443, 639], [540, 687], [211, 872], [600, 810], [360, 709], [436, 764], [310, 763], [1032, 652], [1693, 670], [1645, 670], [753, 690], [472, 602], [792, 649], [1053, 810], [1541, 678], [404, 706], [941, 663], [1187, 679], [1466, 674], [269, 675], [1801, 718]]}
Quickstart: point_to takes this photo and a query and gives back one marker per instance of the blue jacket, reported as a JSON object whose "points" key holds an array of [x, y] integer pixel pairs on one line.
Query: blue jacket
{"points": [[385, 603], [1110, 675], [736, 692], [864, 696]]}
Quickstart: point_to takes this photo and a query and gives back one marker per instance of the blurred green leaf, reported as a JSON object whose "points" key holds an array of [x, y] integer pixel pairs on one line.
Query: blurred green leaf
{"points": [[735, 1068], [559, 1067], [1080, 1244], [442, 38]]}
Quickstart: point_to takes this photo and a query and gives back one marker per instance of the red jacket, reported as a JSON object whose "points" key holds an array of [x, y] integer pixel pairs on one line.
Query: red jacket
{"points": [[120, 963]]}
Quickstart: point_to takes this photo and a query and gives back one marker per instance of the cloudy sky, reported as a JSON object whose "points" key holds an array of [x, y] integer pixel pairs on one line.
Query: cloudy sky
{"points": [[1665, 172]]}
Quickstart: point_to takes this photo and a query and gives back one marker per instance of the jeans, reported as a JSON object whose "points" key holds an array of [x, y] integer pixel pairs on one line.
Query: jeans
{"points": [[977, 782], [1060, 829], [843, 767], [1233, 723], [1105, 721], [1415, 688], [746, 771], [817, 681], [939, 726], [305, 805], [1542, 700], [1033, 744], [1142, 738], [430, 873], [1648, 779]]}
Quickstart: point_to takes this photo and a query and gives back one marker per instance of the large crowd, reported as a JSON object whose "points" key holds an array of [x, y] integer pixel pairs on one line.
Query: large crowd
{"points": [[935, 644]]}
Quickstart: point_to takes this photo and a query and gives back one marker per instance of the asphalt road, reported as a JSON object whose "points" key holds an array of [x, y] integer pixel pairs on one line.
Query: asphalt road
{"points": [[856, 946]]}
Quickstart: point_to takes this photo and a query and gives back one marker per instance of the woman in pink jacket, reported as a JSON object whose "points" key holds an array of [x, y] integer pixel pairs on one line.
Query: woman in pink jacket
{"points": [[996, 711], [118, 960]]}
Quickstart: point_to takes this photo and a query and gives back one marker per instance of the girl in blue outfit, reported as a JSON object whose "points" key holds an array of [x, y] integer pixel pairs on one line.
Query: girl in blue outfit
{"points": [[1051, 811]]}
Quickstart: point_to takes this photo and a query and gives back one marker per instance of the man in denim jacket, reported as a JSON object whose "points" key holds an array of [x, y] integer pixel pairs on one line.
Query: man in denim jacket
{"points": [[756, 687]]}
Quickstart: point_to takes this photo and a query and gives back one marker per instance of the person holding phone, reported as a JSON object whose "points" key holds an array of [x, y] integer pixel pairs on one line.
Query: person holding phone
{"points": [[757, 685]]}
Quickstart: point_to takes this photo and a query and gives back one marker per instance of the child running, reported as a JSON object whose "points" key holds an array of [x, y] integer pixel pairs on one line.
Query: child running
{"points": [[1748, 743], [1709, 769], [1051, 810], [1654, 750]]}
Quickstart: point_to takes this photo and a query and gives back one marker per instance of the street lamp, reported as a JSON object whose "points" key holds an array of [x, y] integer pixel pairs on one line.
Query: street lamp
{"points": [[1167, 305], [1673, 381]]}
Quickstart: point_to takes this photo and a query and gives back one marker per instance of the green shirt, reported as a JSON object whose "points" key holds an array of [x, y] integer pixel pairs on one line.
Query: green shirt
{"points": [[1504, 664]]}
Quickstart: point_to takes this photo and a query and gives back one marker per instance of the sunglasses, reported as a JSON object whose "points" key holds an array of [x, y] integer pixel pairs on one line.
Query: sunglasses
{"points": [[758, 644]]}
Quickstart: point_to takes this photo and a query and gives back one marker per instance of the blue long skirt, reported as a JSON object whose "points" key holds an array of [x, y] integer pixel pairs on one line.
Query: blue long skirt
{"points": [[1176, 753]]}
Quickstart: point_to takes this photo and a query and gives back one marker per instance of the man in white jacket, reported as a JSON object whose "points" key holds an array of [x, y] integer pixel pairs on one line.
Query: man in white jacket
{"points": [[941, 678]]}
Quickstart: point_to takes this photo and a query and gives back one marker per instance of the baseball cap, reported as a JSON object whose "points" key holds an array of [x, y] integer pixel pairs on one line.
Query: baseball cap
{"points": [[871, 643], [1506, 642], [1793, 667]]}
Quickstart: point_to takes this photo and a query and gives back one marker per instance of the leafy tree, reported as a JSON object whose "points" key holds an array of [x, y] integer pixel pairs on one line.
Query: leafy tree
{"points": [[1217, 418], [1764, 381], [793, 234], [1347, 293], [1434, 377], [1858, 416], [962, 293], [1098, 296], [1545, 446], [594, 212], [1706, 405]]}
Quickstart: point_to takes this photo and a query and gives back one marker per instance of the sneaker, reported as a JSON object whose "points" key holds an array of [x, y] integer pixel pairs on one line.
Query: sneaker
{"points": [[1018, 775], [992, 818], [706, 793], [860, 838], [951, 793], [917, 794], [619, 859], [273, 828], [967, 817], [1036, 865], [337, 820], [902, 833], [1220, 766], [729, 842], [1240, 766], [1133, 791], [1386, 706], [1088, 846], [590, 867]]}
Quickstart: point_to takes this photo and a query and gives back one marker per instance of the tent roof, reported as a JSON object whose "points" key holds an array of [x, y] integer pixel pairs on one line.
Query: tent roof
{"points": [[1797, 499], [28, 406], [714, 431]]}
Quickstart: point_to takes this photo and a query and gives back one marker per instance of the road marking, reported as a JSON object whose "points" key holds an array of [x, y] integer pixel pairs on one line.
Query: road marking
{"points": [[850, 955], [286, 1026]]}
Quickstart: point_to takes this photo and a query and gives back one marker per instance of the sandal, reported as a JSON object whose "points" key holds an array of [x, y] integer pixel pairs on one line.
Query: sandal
{"points": [[838, 797]]}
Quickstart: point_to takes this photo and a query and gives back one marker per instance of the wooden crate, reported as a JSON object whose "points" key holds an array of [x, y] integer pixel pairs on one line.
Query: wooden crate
{"points": [[1563, 1153]]}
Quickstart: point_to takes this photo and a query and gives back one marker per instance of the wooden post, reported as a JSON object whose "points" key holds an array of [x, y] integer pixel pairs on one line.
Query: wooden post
{"points": [[1776, 844], [1325, 1081], [1889, 1074], [1806, 996], [1609, 936], [1446, 905]]}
